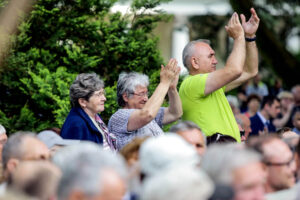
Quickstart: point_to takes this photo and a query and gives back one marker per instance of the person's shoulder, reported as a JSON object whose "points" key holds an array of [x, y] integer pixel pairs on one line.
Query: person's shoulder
{"points": [[120, 113]]}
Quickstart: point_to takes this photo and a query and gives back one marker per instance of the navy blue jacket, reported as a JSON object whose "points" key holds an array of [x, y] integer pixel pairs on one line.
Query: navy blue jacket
{"points": [[79, 126], [257, 125]]}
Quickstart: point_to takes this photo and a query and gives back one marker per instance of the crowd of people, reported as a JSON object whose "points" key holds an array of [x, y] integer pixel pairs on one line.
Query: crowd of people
{"points": [[217, 148]]}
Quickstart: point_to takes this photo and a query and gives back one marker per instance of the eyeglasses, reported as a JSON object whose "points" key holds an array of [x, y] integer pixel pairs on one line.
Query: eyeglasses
{"points": [[143, 94], [101, 93], [288, 163]]}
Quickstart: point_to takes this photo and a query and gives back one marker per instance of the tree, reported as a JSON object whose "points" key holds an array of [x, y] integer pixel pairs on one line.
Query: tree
{"points": [[62, 38]]}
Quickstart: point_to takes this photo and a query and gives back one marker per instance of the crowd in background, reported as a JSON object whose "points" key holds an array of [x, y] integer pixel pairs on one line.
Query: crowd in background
{"points": [[245, 147]]}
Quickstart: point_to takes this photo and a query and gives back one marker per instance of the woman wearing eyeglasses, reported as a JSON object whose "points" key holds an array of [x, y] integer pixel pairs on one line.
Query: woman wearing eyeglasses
{"points": [[87, 97], [140, 115]]}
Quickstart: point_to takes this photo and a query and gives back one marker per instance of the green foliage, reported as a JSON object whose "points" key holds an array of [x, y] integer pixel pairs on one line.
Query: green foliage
{"points": [[62, 38]]}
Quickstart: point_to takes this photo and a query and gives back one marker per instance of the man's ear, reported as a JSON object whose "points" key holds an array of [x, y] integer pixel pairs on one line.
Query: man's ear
{"points": [[82, 102], [12, 164], [125, 97], [194, 63]]}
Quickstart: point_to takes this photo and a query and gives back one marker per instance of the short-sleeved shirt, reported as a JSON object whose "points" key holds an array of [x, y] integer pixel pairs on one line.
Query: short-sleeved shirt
{"points": [[212, 112], [118, 125]]}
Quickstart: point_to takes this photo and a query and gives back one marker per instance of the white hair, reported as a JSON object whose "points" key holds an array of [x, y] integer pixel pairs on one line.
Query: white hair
{"points": [[2, 130], [178, 183], [81, 166], [127, 83], [158, 153], [220, 160]]}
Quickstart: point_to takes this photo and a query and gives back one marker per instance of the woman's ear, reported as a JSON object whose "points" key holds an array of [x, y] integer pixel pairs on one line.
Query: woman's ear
{"points": [[125, 97], [82, 102]]}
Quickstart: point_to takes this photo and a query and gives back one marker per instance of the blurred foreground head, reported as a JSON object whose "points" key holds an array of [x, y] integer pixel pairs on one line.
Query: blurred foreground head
{"points": [[89, 172], [38, 179], [22, 146], [163, 152], [238, 167], [178, 183]]}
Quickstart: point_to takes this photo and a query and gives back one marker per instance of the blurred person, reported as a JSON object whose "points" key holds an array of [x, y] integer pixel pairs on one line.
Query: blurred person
{"points": [[166, 151], [253, 105], [178, 183], [245, 125], [290, 193], [244, 171], [83, 122], [286, 106], [53, 141], [262, 121], [191, 133], [277, 87], [140, 115], [202, 92], [234, 104], [89, 172], [38, 179], [21, 146], [296, 94], [296, 122], [130, 151], [279, 161], [257, 87], [3, 139]]}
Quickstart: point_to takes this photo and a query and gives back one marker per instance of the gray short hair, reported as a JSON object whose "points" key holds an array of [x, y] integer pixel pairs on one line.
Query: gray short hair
{"points": [[2, 129], [185, 126], [14, 146], [189, 50], [81, 167], [185, 182], [128, 82], [218, 161], [84, 86]]}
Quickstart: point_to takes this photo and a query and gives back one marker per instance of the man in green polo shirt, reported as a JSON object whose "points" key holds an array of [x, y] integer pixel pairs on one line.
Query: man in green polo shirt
{"points": [[203, 92]]}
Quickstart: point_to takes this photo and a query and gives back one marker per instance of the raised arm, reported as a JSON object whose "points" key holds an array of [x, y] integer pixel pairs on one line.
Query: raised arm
{"points": [[251, 64], [234, 64], [174, 111], [141, 117]]}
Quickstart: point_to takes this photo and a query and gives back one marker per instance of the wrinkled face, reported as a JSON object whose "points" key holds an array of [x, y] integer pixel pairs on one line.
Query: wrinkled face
{"points": [[296, 120], [248, 182], [195, 138], [203, 59], [281, 166], [274, 109], [253, 105], [95, 104], [138, 98]]}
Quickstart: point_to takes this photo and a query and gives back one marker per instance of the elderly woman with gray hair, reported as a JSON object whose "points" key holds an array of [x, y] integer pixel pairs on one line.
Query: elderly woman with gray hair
{"points": [[140, 116], [87, 96]]}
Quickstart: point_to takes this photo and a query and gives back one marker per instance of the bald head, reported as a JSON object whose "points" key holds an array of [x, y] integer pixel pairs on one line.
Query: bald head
{"points": [[245, 123], [189, 51]]}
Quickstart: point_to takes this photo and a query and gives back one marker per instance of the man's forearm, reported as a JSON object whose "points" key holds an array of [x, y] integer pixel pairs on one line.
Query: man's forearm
{"points": [[251, 63]]}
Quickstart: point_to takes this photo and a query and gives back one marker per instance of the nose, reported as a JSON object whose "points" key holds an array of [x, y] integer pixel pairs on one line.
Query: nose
{"points": [[103, 98], [215, 61]]}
